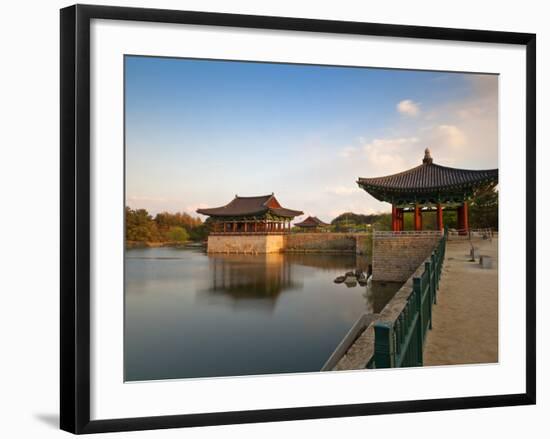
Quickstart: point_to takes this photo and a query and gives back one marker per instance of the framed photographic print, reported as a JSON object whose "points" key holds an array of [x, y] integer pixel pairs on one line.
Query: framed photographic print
{"points": [[272, 218]]}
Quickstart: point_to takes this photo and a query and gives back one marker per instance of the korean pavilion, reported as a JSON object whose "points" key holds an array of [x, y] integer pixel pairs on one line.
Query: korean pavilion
{"points": [[246, 215], [312, 224], [428, 187]]}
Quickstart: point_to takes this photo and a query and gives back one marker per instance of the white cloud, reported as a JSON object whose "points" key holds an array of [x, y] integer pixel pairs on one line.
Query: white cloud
{"points": [[348, 151], [408, 108], [450, 135], [388, 155]]}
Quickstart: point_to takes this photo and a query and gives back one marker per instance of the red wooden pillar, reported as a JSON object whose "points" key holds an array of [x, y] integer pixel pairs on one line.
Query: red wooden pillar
{"points": [[464, 219], [397, 219], [394, 226], [460, 218], [439, 217], [417, 218], [401, 219]]}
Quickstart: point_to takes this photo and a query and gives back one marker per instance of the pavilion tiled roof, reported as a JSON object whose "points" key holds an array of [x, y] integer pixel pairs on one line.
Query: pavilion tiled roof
{"points": [[251, 206], [427, 179], [312, 221]]}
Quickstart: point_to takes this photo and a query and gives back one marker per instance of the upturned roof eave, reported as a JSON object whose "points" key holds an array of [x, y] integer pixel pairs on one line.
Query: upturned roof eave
{"points": [[214, 212]]}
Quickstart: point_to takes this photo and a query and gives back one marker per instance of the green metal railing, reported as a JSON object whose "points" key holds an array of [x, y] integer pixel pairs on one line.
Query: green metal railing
{"points": [[400, 343]]}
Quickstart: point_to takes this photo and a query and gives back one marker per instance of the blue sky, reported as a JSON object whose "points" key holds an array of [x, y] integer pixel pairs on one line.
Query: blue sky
{"points": [[199, 131]]}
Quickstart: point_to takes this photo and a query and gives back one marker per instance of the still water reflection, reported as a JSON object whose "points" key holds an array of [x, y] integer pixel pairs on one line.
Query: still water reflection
{"points": [[193, 315]]}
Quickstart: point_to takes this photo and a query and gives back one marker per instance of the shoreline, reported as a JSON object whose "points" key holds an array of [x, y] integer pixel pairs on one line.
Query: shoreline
{"points": [[152, 244]]}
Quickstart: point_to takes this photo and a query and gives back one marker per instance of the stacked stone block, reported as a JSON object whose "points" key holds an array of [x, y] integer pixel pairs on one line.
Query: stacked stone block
{"points": [[396, 257]]}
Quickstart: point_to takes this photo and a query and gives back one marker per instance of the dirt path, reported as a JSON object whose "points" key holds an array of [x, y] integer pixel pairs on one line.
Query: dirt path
{"points": [[465, 319]]}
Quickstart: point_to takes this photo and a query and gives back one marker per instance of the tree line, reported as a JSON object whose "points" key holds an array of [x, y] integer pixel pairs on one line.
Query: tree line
{"points": [[163, 227], [181, 227]]}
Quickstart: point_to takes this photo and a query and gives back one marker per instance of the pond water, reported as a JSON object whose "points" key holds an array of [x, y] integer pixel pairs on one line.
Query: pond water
{"points": [[190, 315]]}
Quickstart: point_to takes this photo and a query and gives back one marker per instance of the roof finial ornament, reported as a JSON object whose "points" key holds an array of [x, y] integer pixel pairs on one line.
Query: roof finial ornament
{"points": [[427, 157]]}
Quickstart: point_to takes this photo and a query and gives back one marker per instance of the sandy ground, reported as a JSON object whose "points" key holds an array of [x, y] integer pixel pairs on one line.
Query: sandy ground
{"points": [[465, 319]]}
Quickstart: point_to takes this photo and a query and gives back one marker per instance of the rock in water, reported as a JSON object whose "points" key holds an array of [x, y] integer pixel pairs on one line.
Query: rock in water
{"points": [[350, 281], [339, 279]]}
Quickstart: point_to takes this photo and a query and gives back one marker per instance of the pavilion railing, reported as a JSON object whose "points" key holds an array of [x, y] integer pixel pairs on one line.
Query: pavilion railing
{"points": [[465, 234], [400, 343], [382, 233]]}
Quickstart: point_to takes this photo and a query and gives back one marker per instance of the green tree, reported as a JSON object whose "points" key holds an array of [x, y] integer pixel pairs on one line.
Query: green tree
{"points": [[177, 234], [199, 233], [383, 222], [350, 221], [140, 226], [483, 207]]}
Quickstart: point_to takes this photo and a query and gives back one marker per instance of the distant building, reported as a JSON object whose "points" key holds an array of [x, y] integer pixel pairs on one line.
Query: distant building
{"points": [[249, 225], [312, 224], [261, 214]]}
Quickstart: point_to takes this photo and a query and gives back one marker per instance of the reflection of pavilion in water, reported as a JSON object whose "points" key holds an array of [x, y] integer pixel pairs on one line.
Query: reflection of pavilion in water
{"points": [[256, 281], [251, 277]]}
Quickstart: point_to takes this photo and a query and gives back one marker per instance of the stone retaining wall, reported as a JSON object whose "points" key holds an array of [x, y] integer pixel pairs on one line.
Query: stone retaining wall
{"points": [[396, 257], [326, 242], [321, 242], [254, 244], [362, 350]]}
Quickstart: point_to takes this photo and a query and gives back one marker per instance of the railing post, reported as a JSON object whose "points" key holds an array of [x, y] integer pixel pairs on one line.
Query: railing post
{"points": [[434, 265], [384, 345], [417, 290], [431, 287]]}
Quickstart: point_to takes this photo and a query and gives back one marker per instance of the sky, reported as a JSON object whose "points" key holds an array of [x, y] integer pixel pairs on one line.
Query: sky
{"points": [[198, 132]]}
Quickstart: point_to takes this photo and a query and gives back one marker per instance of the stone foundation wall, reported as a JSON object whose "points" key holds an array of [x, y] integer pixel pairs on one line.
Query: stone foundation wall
{"points": [[396, 257], [364, 245], [294, 242], [320, 242], [254, 244]]}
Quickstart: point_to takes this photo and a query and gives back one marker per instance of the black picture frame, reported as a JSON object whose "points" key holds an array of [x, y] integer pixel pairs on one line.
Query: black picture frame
{"points": [[75, 217]]}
